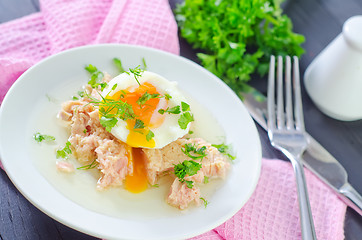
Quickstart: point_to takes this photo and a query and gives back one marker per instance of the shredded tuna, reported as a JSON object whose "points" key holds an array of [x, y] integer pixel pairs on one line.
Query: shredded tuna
{"points": [[159, 161], [66, 167], [90, 141], [181, 196]]}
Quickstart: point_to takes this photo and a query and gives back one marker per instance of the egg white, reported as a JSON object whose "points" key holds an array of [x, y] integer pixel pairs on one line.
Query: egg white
{"points": [[169, 130]]}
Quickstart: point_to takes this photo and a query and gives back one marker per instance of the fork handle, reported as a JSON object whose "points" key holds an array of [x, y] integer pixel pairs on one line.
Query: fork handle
{"points": [[306, 219]]}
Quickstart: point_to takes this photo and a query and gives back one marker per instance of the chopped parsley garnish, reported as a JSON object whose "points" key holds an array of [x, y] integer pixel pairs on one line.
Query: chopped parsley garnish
{"points": [[85, 131], [144, 64], [89, 166], [185, 119], [155, 185], [75, 98], [173, 110], [108, 123], [96, 77], [224, 149], [149, 135], [114, 86], [191, 132], [168, 96], [198, 153], [206, 179], [63, 153], [186, 168], [205, 201], [91, 69], [110, 110], [137, 72], [185, 107], [145, 97], [139, 124], [118, 64], [42, 137]]}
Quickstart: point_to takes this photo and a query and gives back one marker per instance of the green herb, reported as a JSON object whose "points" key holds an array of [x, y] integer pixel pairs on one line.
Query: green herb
{"points": [[224, 149], [89, 166], [139, 124], [85, 131], [205, 201], [206, 179], [96, 77], [144, 64], [91, 69], [108, 123], [191, 132], [63, 153], [186, 168], [185, 107], [110, 110], [42, 137], [137, 72], [145, 97], [185, 119], [173, 110], [118, 64], [149, 135], [198, 153], [81, 93], [237, 37], [155, 185], [168, 96], [114, 86]]}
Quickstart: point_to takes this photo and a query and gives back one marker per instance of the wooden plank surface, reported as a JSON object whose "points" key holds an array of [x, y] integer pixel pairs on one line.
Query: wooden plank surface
{"points": [[319, 20]]}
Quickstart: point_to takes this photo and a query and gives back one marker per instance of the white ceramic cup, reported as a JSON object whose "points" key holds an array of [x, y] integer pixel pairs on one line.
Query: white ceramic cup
{"points": [[334, 79]]}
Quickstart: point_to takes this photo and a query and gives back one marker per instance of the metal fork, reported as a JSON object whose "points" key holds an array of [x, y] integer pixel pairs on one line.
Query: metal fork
{"points": [[287, 133]]}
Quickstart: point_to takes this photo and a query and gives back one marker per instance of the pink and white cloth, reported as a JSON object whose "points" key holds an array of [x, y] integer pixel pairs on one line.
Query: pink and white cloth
{"points": [[272, 211]]}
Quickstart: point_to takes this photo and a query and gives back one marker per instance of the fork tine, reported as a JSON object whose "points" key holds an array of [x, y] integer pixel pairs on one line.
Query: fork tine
{"points": [[280, 98], [298, 109], [271, 94], [288, 93]]}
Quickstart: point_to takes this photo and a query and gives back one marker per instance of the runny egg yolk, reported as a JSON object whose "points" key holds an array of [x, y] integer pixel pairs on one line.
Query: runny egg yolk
{"points": [[137, 182], [143, 112]]}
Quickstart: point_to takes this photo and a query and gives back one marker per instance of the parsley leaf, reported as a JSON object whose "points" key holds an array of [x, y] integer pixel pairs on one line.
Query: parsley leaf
{"points": [[149, 135], [144, 64], [145, 97], [168, 96], [205, 201], [199, 153], [137, 72], [173, 110], [236, 37], [224, 149], [89, 166], [139, 124], [42, 137], [96, 77], [185, 119], [108, 123], [63, 153], [185, 107], [206, 179], [186, 168], [118, 64]]}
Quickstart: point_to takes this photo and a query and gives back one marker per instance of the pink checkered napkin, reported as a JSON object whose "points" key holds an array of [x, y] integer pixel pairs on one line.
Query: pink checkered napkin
{"points": [[272, 211], [66, 24]]}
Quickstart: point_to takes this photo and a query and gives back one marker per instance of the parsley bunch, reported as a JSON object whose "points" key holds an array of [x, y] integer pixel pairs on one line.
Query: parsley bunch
{"points": [[237, 36]]}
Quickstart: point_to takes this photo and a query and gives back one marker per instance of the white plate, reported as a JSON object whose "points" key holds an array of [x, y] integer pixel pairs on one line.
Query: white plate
{"points": [[21, 106]]}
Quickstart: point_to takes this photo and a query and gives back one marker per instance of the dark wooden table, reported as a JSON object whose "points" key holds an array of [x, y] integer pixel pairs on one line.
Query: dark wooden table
{"points": [[319, 20]]}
